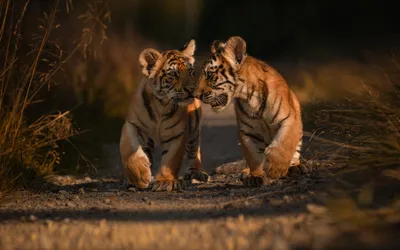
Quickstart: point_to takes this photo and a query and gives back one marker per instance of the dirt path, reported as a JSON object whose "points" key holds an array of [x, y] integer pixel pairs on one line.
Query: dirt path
{"points": [[102, 213]]}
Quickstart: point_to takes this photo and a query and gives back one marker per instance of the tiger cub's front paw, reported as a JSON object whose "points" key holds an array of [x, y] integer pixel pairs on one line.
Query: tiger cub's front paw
{"points": [[168, 184], [299, 170], [138, 171], [197, 174], [254, 180]]}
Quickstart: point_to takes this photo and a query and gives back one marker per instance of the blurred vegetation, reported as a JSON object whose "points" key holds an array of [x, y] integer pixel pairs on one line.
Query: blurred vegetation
{"points": [[32, 59], [357, 126], [355, 114]]}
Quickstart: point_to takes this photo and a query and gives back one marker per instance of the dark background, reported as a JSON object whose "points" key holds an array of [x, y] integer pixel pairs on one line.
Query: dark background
{"points": [[271, 28]]}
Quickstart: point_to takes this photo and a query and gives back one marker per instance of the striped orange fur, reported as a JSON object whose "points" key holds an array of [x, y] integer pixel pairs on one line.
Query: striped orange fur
{"points": [[268, 112], [164, 112]]}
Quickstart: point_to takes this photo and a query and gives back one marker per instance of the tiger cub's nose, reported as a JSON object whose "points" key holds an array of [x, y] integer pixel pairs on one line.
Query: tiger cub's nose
{"points": [[204, 95]]}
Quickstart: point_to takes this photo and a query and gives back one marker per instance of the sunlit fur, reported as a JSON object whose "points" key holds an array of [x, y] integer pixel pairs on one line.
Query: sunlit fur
{"points": [[268, 113], [163, 111]]}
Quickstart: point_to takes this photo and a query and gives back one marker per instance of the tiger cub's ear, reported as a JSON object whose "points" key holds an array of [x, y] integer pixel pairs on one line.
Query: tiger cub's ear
{"points": [[217, 46], [235, 50], [189, 49], [148, 59]]}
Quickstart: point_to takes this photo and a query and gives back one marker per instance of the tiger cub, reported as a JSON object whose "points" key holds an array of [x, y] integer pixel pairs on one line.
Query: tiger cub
{"points": [[268, 113], [163, 111]]}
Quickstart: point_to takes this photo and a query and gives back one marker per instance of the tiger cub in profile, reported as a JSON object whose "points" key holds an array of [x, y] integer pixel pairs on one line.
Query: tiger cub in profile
{"points": [[164, 111], [268, 113]]}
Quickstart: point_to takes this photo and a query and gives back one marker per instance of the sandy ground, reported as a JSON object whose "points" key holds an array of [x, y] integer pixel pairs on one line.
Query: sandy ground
{"points": [[101, 212]]}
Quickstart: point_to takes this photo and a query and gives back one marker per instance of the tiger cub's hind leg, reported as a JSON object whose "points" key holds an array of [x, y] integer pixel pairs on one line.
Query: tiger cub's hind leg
{"points": [[193, 155], [134, 159], [296, 168], [194, 170]]}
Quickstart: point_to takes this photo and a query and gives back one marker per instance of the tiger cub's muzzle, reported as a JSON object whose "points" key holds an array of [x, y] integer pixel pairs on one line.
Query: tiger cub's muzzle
{"points": [[205, 96]]}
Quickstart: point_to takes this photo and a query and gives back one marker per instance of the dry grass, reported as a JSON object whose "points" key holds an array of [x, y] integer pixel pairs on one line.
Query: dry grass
{"points": [[365, 123], [31, 62], [360, 128]]}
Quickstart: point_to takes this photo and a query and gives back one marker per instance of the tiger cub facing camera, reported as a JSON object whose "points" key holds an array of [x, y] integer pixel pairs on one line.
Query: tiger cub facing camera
{"points": [[163, 111], [268, 113]]}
